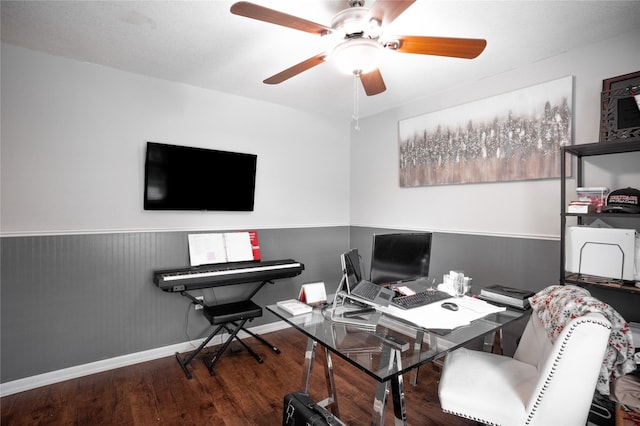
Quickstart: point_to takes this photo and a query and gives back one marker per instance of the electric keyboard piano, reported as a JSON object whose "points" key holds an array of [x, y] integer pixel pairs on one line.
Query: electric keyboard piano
{"points": [[230, 317], [222, 274]]}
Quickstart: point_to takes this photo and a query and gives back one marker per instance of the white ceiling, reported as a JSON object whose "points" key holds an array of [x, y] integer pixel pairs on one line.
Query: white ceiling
{"points": [[202, 44]]}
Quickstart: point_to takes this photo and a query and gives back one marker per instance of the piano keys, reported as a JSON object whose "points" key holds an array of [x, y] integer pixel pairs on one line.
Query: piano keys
{"points": [[220, 274]]}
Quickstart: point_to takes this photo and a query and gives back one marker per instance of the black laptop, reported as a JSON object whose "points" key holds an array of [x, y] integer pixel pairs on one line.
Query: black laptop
{"points": [[362, 290]]}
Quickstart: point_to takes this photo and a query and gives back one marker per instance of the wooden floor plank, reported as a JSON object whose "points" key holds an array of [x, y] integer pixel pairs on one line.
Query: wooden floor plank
{"points": [[242, 392]]}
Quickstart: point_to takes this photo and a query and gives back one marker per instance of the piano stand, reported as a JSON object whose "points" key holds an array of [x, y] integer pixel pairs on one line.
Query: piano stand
{"points": [[231, 317]]}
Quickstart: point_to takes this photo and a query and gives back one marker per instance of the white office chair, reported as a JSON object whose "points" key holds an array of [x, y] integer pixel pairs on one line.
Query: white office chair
{"points": [[543, 384]]}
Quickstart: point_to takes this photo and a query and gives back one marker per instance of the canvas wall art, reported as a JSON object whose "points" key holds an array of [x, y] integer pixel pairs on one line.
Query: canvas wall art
{"points": [[513, 136]]}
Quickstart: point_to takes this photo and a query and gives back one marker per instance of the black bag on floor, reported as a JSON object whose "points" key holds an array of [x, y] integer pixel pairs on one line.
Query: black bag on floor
{"points": [[301, 410]]}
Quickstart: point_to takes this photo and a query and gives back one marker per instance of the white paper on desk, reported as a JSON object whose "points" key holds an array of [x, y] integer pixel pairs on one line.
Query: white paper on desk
{"points": [[434, 316]]}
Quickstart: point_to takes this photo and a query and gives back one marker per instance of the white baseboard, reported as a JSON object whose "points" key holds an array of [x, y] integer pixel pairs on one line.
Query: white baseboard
{"points": [[52, 377]]}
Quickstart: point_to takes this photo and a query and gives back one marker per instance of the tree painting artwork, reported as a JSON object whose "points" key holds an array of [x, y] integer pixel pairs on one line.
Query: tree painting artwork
{"points": [[509, 137]]}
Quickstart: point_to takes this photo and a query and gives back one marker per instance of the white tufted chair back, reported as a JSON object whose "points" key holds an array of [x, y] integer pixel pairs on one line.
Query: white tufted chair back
{"points": [[543, 384]]}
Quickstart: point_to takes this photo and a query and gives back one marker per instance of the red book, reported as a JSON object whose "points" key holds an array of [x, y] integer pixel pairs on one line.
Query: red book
{"points": [[255, 246]]}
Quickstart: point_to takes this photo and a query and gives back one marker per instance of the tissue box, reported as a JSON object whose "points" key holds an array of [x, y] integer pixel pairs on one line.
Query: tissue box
{"points": [[596, 195]]}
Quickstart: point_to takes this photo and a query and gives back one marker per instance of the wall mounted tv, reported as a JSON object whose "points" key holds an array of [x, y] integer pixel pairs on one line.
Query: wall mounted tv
{"points": [[185, 178]]}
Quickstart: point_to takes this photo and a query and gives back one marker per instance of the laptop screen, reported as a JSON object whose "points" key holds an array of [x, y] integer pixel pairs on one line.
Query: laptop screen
{"points": [[351, 268]]}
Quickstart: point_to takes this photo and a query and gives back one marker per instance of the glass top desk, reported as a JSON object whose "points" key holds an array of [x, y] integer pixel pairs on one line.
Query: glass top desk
{"points": [[394, 347]]}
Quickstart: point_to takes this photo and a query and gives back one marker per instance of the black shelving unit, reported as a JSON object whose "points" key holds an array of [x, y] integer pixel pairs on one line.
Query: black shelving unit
{"points": [[580, 152]]}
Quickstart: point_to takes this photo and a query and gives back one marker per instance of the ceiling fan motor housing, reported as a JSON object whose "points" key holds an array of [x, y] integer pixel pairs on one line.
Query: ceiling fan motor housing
{"points": [[355, 23]]}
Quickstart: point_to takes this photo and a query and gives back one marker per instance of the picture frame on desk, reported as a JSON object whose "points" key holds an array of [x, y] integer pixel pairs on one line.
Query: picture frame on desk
{"points": [[620, 108]]}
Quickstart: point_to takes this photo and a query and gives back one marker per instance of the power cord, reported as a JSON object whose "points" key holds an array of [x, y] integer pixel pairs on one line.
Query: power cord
{"points": [[186, 324]]}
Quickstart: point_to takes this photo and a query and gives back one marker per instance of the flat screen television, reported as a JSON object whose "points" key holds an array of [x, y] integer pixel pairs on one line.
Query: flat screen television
{"points": [[400, 257], [186, 178]]}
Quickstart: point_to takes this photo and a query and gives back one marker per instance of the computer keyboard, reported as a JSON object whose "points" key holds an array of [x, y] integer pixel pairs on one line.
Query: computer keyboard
{"points": [[419, 299]]}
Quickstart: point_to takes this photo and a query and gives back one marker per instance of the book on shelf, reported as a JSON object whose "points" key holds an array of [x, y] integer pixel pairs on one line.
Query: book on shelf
{"points": [[515, 297], [294, 307], [581, 207]]}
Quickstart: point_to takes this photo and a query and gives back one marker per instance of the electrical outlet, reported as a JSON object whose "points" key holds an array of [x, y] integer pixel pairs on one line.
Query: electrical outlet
{"points": [[198, 306]]}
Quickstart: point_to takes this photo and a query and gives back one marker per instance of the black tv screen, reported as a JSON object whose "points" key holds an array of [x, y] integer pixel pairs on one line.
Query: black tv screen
{"points": [[185, 178], [400, 257]]}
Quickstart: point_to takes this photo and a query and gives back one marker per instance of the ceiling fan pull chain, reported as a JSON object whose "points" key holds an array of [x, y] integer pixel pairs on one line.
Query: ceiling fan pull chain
{"points": [[356, 113]]}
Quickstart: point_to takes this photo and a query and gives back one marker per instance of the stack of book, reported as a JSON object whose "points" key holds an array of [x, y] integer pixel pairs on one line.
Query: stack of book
{"points": [[294, 307], [514, 297]]}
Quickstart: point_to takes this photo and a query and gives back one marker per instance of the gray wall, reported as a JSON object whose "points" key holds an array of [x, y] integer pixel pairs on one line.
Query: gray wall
{"points": [[69, 300], [74, 299], [517, 262]]}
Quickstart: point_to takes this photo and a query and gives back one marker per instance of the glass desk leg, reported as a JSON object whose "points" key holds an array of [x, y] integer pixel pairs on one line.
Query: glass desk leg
{"points": [[307, 368], [497, 343], [493, 343], [417, 349], [391, 358], [331, 402]]}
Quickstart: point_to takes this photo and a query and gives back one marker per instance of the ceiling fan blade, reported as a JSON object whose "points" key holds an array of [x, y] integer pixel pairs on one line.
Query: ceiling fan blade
{"points": [[386, 11], [467, 48], [296, 69], [261, 13], [372, 82]]}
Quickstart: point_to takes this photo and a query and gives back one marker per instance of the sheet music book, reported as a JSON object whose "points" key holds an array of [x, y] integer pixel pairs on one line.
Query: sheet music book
{"points": [[238, 245], [224, 247]]}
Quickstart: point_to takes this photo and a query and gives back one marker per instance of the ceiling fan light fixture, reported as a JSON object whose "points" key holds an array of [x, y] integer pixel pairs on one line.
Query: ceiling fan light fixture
{"points": [[359, 55]]}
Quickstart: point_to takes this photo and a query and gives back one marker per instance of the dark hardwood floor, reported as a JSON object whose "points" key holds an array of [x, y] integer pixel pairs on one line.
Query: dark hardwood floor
{"points": [[243, 392]]}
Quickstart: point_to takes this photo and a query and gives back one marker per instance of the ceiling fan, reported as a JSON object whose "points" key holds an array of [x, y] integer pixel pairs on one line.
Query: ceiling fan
{"points": [[360, 39]]}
